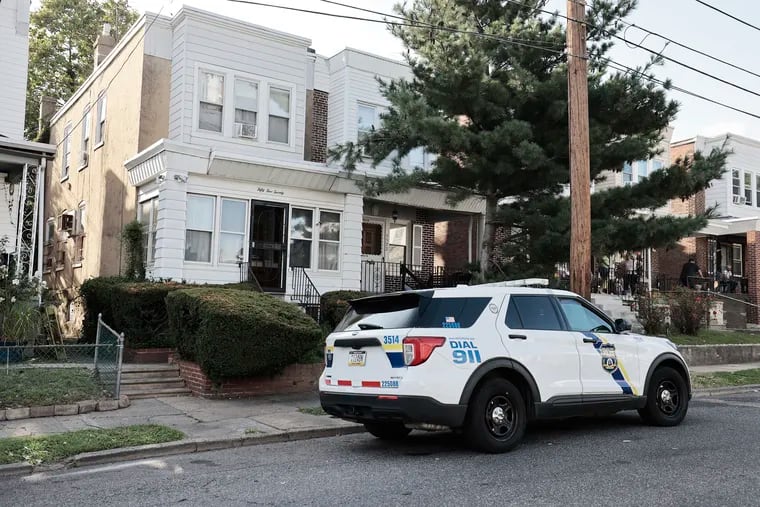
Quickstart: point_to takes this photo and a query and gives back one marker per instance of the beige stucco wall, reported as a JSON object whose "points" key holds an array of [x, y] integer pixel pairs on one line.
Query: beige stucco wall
{"points": [[132, 122]]}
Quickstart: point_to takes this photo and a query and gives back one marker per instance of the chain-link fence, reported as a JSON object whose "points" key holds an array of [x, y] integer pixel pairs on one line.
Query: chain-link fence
{"points": [[97, 364]]}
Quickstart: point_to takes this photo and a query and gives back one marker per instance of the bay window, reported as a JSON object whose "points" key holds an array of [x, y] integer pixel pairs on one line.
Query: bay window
{"points": [[211, 104], [148, 217], [747, 188], [365, 119], [199, 228], [627, 173], [301, 235], [736, 183], [279, 115], [232, 231], [246, 103]]}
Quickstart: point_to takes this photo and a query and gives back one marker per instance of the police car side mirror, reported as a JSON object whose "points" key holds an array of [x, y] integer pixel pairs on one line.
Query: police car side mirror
{"points": [[622, 325]]}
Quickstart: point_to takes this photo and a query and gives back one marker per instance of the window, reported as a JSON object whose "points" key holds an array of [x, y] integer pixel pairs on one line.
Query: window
{"points": [[84, 157], [532, 312], [100, 126], [365, 120], [450, 312], [737, 262], [246, 102], [417, 157], [581, 318], [301, 234], [417, 245], [199, 228], [757, 190], [396, 243], [66, 162], [279, 115], [657, 165], [329, 240], [50, 230], [149, 218], [641, 169], [211, 102], [747, 188], [372, 239], [232, 231], [627, 173], [736, 183]]}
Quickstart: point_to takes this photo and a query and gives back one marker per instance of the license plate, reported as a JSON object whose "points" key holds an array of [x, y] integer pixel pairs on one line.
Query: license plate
{"points": [[357, 358]]}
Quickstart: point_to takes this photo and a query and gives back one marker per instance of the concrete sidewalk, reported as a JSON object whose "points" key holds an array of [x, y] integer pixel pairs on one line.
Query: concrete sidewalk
{"points": [[197, 418], [714, 368]]}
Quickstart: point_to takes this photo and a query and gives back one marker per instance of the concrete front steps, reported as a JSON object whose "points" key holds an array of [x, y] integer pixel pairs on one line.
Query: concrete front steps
{"points": [[615, 308], [152, 381]]}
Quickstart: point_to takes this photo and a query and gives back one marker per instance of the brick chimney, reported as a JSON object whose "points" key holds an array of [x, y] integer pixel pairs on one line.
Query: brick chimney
{"points": [[48, 107], [315, 136], [104, 44]]}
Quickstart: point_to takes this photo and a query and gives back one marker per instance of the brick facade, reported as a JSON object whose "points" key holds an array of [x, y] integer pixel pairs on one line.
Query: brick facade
{"points": [[451, 240], [296, 378], [752, 272], [667, 262], [422, 217], [316, 126]]}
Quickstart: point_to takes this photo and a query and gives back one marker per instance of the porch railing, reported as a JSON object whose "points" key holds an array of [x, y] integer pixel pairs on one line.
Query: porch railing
{"points": [[247, 275], [381, 277], [305, 293]]}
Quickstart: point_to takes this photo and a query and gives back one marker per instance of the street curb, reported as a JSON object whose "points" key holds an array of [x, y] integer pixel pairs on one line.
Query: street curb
{"points": [[715, 391], [179, 447], [71, 409]]}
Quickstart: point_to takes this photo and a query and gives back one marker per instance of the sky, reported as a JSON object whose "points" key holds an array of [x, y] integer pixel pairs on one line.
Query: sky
{"points": [[684, 21]]}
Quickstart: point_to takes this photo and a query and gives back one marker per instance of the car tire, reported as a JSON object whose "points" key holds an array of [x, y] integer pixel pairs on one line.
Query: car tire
{"points": [[667, 398], [496, 417], [387, 431]]}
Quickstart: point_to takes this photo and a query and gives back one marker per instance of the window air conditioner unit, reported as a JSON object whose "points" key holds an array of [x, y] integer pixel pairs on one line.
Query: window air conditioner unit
{"points": [[246, 130], [740, 199], [67, 222]]}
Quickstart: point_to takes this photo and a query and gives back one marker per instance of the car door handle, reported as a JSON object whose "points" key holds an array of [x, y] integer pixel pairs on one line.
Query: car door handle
{"points": [[518, 337], [589, 340]]}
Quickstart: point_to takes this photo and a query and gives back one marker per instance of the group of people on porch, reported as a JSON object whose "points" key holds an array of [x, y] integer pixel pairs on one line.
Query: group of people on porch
{"points": [[691, 276]]}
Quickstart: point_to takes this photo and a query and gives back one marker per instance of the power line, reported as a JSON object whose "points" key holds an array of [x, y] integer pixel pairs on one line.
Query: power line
{"points": [[727, 14], [608, 60], [113, 78], [656, 53]]}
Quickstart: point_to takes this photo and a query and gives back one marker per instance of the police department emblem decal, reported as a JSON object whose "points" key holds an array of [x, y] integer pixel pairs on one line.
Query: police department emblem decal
{"points": [[609, 357]]}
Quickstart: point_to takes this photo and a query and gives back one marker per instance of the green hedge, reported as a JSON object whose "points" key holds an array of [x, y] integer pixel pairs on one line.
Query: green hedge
{"points": [[233, 333], [335, 305], [138, 309]]}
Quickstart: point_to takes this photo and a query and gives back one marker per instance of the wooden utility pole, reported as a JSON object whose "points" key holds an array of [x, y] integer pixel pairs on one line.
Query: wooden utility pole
{"points": [[580, 178]]}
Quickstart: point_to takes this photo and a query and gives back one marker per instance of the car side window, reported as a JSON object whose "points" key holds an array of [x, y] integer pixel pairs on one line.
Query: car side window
{"points": [[532, 312], [581, 318]]}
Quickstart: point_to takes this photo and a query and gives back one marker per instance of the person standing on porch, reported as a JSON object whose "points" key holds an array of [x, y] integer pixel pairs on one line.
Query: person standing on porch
{"points": [[689, 272]]}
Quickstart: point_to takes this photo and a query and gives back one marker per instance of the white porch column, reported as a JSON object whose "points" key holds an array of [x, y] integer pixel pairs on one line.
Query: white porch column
{"points": [[352, 242], [170, 229]]}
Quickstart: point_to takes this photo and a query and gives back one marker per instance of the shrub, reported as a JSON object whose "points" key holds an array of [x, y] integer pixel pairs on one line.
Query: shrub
{"points": [[652, 313], [334, 305], [689, 311], [233, 333], [96, 293]]}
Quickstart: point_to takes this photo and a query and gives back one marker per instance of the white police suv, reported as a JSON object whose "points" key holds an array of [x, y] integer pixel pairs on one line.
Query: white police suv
{"points": [[486, 360]]}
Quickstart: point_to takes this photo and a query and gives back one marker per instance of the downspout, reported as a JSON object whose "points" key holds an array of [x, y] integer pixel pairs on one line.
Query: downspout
{"points": [[41, 224]]}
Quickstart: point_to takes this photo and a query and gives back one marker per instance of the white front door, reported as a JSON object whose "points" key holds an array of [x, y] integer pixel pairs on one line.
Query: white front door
{"points": [[609, 361], [532, 332]]}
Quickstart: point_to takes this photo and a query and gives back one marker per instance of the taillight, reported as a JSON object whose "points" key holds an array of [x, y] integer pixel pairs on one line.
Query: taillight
{"points": [[417, 349]]}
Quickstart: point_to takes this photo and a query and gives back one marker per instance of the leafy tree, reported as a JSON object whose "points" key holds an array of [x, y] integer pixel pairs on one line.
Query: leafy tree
{"points": [[62, 36], [491, 101]]}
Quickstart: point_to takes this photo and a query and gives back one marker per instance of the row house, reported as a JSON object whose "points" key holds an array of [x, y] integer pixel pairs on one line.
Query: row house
{"points": [[214, 134]]}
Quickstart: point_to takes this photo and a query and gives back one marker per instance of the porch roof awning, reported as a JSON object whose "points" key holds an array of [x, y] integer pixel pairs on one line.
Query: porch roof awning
{"points": [[728, 226], [17, 152]]}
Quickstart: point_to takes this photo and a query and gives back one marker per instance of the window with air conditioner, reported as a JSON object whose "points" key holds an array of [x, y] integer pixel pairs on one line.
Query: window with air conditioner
{"points": [[246, 109]]}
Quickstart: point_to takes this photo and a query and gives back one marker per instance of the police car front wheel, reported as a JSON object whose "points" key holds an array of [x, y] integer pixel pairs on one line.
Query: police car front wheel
{"points": [[667, 398], [496, 417]]}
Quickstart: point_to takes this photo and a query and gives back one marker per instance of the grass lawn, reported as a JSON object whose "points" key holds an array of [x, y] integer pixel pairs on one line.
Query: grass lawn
{"points": [[52, 386], [714, 337], [51, 448], [312, 410], [726, 379]]}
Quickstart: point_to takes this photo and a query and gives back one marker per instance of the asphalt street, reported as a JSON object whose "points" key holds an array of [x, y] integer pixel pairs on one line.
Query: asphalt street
{"points": [[712, 459]]}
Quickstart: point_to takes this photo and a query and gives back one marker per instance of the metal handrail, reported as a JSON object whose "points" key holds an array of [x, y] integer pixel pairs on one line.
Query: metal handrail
{"points": [[305, 292]]}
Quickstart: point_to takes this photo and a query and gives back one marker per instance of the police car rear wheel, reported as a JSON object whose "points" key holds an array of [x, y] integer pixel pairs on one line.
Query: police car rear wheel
{"points": [[497, 417], [387, 431], [667, 399]]}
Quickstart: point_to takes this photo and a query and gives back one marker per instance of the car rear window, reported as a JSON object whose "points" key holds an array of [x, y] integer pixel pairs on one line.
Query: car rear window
{"points": [[413, 310]]}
